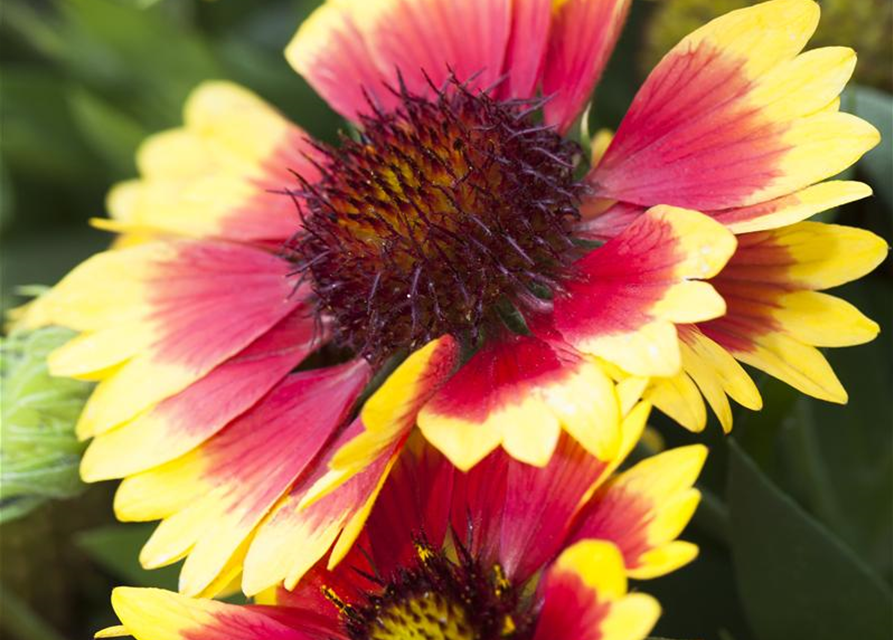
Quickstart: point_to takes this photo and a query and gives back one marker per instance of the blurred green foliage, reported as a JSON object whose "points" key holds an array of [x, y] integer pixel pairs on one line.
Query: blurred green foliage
{"points": [[798, 507]]}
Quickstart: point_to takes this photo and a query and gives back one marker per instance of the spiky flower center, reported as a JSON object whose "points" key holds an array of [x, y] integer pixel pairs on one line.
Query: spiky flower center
{"points": [[440, 599], [441, 213]]}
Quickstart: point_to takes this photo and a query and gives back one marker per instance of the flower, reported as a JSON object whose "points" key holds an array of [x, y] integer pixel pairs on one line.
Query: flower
{"points": [[505, 551], [450, 269]]}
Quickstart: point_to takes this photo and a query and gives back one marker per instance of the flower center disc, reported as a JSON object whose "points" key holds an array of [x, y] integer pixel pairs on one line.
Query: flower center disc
{"points": [[428, 616], [438, 212], [439, 599]]}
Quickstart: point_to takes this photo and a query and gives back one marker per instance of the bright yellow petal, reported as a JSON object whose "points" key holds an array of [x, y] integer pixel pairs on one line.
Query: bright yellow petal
{"points": [[823, 321], [763, 35], [598, 564], [718, 375], [631, 618], [679, 398], [463, 443], [801, 366], [828, 255], [664, 560]]}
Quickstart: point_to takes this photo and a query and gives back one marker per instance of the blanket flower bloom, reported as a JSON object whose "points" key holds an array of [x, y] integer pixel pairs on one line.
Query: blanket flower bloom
{"points": [[452, 266], [457, 556]]}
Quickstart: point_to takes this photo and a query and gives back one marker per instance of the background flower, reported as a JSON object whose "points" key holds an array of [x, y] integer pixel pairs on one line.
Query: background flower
{"points": [[103, 74]]}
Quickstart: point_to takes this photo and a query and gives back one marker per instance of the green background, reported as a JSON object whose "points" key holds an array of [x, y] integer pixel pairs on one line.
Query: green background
{"points": [[796, 527]]}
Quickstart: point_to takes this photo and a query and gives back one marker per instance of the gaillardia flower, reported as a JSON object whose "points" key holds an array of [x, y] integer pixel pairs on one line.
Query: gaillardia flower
{"points": [[454, 266], [507, 550]]}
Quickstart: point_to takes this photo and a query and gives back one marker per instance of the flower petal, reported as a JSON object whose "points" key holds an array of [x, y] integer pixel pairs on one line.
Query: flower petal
{"points": [[644, 509], [526, 53], [520, 392], [585, 598], [180, 423], [348, 50], [581, 41], [717, 375], [213, 498], [188, 306], [273, 556], [518, 515], [390, 414], [540, 505], [154, 614], [601, 224], [792, 208], [732, 117], [415, 501], [775, 318], [223, 174], [679, 398], [634, 288]]}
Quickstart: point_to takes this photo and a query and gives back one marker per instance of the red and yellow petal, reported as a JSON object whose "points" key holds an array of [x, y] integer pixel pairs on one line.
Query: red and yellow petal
{"points": [[390, 414], [776, 317], [107, 290], [335, 518], [582, 38], [585, 598], [520, 392], [519, 515], [708, 372], [540, 504], [154, 614], [793, 208], [348, 51], [331, 505], [732, 117], [183, 421], [604, 224], [223, 174], [158, 317], [213, 498], [634, 289], [644, 509], [808, 255]]}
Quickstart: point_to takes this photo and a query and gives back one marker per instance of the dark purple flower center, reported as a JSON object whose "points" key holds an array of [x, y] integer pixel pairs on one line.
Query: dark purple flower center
{"points": [[443, 215]]}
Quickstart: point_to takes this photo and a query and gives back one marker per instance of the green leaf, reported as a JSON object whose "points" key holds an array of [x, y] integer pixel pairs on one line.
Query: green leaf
{"points": [[854, 443], [116, 548], [877, 107], [40, 138], [795, 578]]}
